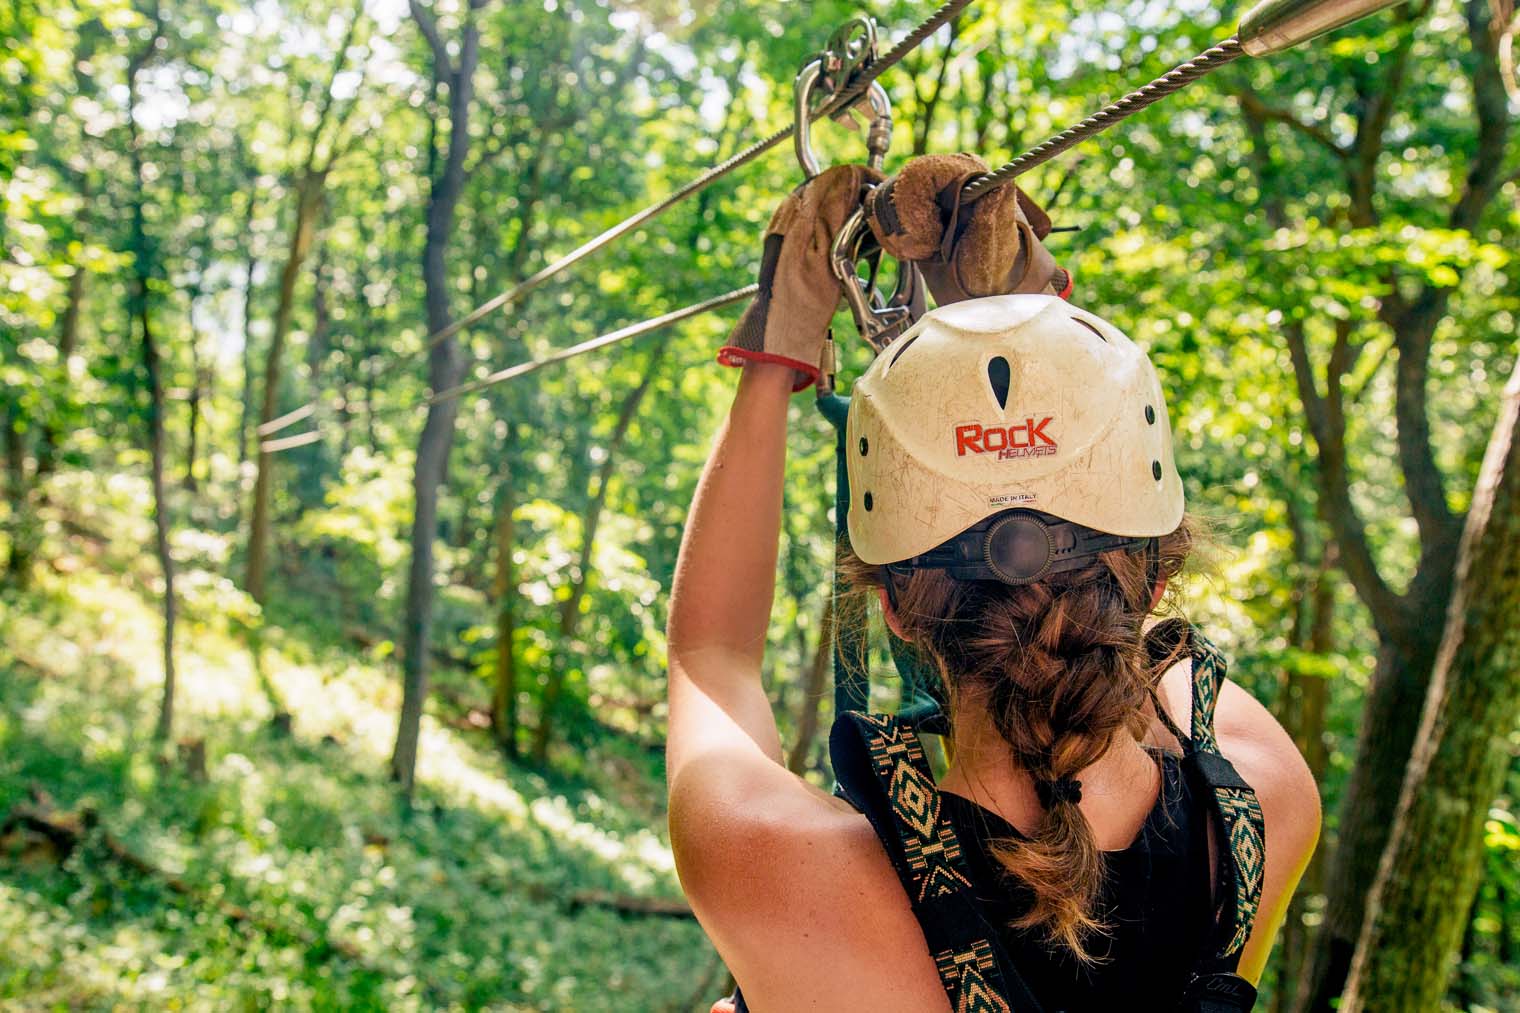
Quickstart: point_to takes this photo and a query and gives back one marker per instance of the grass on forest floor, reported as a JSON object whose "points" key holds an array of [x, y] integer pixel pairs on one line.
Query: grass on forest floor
{"points": [[351, 903]]}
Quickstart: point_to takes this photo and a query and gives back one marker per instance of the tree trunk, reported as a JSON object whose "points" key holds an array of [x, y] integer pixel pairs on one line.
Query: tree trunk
{"points": [[68, 344], [311, 182], [250, 265], [928, 105], [192, 448], [813, 691], [308, 204], [504, 697], [1389, 722], [1430, 870], [18, 564], [142, 266], [151, 362], [570, 609], [319, 342], [1306, 697], [445, 369], [370, 366]]}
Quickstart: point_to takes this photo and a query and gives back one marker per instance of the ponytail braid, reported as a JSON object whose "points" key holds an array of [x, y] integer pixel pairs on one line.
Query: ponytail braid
{"points": [[1061, 668]]}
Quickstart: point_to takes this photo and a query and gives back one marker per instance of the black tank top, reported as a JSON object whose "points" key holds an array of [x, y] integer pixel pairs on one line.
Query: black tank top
{"points": [[1155, 898]]}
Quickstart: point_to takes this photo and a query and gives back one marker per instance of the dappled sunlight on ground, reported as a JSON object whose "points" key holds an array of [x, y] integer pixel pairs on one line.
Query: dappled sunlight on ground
{"points": [[302, 882]]}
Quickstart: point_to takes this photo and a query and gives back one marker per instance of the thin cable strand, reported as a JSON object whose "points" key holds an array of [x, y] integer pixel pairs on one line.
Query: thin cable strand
{"points": [[591, 345], [1173, 80], [521, 368], [844, 100]]}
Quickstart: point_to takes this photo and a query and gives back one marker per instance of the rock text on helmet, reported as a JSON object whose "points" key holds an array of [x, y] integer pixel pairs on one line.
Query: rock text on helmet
{"points": [[1025, 439]]}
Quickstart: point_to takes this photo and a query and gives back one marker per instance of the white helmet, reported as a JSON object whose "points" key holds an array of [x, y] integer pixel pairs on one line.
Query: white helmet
{"points": [[1006, 402]]}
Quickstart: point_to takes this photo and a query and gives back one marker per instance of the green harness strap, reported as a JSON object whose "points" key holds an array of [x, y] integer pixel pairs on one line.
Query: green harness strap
{"points": [[922, 704], [852, 677]]}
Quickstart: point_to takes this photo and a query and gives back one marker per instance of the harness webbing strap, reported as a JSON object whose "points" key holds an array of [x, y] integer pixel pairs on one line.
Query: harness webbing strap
{"points": [[883, 772], [923, 703], [852, 677], [1236, 809]]}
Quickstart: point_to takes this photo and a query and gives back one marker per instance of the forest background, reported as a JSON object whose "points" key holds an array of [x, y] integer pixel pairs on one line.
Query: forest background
{"points": [[372, 717]]}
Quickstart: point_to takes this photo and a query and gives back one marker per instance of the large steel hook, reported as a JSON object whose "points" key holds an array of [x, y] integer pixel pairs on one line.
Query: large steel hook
{"points": [[851, 47]]}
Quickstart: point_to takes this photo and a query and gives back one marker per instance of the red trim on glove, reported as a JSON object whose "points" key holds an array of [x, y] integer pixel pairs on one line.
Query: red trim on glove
{"points": [[1071, 283], [728, 355]]}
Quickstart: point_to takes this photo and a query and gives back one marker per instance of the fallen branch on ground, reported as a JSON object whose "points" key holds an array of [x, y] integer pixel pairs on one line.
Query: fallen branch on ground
{"points": [[657, 907], [62, 833]]}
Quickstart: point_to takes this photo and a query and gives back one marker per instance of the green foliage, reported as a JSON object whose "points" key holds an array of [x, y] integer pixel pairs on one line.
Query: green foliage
{"points": [[1203, 238], [290, 877]]}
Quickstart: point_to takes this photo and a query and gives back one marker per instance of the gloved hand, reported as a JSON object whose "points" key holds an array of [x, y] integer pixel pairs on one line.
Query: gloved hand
{"points": [[988, 247], [789, 318]]}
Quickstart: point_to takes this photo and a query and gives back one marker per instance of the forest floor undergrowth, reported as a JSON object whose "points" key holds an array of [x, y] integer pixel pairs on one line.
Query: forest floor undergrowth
{"points": [[290, 875]]}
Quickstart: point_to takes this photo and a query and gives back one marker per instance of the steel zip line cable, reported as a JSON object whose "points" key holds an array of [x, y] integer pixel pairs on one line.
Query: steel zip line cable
{"points": [[522, 368], [601, 341], [844, 100], [1270, 27], [1175, 79]]}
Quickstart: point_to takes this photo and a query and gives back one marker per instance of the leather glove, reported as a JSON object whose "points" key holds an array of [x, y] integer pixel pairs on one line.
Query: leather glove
{"points": [[789, 319], [988, 247]]}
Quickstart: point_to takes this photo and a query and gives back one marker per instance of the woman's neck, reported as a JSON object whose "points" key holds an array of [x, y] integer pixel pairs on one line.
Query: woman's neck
{"points": [[1118, 790]]}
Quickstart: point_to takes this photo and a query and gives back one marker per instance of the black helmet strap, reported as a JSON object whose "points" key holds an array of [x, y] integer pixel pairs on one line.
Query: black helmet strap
{"points": [[1017, 547]]}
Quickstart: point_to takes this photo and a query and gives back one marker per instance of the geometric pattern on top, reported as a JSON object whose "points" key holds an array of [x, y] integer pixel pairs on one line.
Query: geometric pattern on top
{"points": [[1246, 831], [929, 841], [969, 970], [933, 854], [1208, 674], [1239, 811]]}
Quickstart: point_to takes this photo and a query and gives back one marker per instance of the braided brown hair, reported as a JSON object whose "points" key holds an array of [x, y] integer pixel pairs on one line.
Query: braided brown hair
{"points": [[1061, 668]]}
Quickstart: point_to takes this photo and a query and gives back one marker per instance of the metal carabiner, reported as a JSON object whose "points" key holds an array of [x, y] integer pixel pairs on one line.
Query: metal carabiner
{"points": [[880, 320], [851, 47]]}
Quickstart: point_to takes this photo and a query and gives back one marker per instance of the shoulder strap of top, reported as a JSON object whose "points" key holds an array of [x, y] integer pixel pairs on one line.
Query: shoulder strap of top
{"points": [[1236, 811], [883, 772]]}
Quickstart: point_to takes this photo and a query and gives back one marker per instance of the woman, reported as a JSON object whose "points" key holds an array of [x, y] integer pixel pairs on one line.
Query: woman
{"points": [[1016, 507]]}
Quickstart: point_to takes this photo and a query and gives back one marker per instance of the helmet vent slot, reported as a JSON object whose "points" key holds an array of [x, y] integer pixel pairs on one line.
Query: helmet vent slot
{"points": [[898, 354], [999, 374], [1090, 327]]}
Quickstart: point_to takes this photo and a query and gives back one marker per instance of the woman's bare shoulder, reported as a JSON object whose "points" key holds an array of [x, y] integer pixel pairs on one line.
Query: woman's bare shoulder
{"points": [[796, 892], [1266, 756], [1261, 749]]}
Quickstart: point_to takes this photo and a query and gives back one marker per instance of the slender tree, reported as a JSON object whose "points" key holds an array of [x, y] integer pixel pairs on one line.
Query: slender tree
{"points": [[504, 587], [322, 154], [453, 76], [140, 314], [591, 519], [813, 690]]}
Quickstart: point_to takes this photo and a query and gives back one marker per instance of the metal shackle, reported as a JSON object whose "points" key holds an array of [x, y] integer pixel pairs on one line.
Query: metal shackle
{"points": [[879, 320], [878, 137]]}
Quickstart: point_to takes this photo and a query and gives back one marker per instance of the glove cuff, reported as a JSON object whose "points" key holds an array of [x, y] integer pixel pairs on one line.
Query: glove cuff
{"points": [[1064, 288], [731, 355]]}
